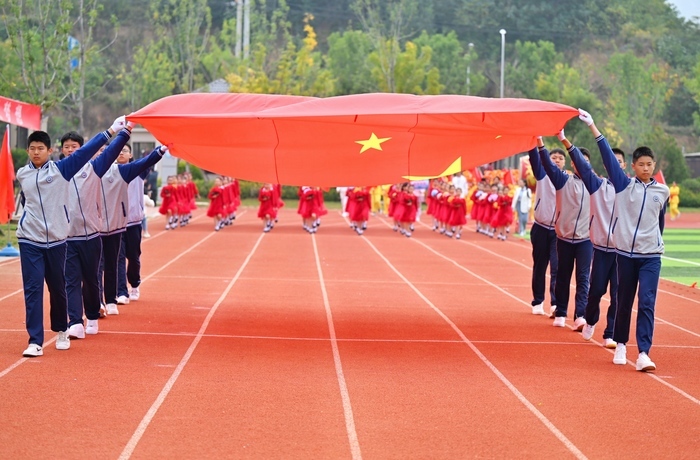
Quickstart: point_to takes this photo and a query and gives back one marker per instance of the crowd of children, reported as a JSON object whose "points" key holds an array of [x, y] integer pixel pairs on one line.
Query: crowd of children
{"points": [[72, 228], [603, 230]]}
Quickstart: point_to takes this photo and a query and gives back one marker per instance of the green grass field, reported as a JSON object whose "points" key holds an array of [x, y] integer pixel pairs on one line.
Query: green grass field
{"points": [[681, 261]]}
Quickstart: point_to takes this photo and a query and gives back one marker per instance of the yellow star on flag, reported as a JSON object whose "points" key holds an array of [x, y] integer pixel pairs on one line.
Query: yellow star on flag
{"points": [[372, 143]]}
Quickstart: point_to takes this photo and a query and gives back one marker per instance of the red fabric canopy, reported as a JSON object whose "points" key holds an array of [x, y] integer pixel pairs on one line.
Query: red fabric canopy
{"points": [[362, 139]]}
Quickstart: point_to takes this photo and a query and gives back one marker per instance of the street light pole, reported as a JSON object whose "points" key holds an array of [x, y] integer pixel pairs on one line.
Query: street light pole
{"points": [[503, 56], [469, 63]]}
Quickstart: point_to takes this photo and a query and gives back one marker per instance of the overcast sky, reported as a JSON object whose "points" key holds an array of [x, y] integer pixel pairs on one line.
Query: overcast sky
{"points": [[687, 8]]}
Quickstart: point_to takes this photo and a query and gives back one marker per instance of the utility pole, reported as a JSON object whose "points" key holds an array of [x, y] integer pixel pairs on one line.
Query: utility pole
{"points": [[246, 30], [239, 26]]}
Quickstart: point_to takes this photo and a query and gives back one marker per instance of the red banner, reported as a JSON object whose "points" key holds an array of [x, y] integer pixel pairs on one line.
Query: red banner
{"points": [[20, 113], [7, 177]]}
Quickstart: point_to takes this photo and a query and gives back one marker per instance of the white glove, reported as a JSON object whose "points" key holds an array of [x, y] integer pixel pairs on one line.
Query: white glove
{"points": [[164, 150], [130, 125], [118, 124], [561, 136], [585, 117]]}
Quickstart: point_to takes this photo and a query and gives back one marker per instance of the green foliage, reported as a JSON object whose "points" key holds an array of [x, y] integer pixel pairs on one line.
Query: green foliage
{"points": [[637, 90], [690, 193], [669, 157], [37, 31], [196, 172], [530, 62], [347, 60], [151, 77], [19, 158], [203, 186], [249, 189]]}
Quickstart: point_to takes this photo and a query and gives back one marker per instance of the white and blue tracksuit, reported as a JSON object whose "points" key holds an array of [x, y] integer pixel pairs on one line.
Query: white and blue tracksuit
{"points": [[542, 235], [115, 202], [130, 252], [84, 243], [573, 241], [638, 223], [604, 268], [42, 232]]}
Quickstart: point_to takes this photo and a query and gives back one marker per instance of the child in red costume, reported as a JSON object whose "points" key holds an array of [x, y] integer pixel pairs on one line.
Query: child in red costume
{"points": [[168, 203], [267, 211], [216, 204]]}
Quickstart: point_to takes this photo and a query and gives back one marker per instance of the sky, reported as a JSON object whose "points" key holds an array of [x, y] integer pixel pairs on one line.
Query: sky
{"points": [[687, 8]]}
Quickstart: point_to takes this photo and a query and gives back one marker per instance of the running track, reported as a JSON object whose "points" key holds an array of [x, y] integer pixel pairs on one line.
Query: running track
{"points": [[288, 345]]}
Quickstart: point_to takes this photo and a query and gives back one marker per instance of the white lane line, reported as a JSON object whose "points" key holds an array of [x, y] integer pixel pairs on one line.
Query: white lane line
{"points": [[344, 393], [545, 421], [529, 268], [141, 429], [11, 294], [690, 262], [676, 389]]}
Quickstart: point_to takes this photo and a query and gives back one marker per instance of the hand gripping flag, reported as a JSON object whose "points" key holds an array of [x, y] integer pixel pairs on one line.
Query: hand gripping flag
{"points": [[362, 139]]}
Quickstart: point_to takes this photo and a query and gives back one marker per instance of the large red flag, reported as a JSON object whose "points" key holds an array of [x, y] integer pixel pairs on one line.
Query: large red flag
{"points": [[20, 113], [7, 178], [361, 139], [659, 177]]}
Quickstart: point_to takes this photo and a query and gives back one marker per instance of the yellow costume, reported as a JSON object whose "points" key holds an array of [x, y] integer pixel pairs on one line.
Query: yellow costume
{"points": [[674, 200]]}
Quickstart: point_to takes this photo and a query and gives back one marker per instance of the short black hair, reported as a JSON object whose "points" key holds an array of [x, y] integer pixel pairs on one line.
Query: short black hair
{"points": [[128, 145], [642, 152], [40, 136], [585, 153], [557, 151], [73, 136], [618, 151]]}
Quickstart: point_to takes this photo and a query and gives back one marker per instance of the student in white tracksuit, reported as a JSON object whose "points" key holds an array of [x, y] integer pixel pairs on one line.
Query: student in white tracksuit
{"points": [[115, 202]]}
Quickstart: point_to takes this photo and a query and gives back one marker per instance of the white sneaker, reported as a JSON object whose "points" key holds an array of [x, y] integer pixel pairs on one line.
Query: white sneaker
{"points": [[587, 332], [552, 311], [92, 327], [112, 309], [146, 235], [76, 331], [63, 342], [609, 343], [559, 321], [32, 351], [620, 354], [103, 310], [579, 323], [122, 300], [134, 294], [644, 363], [538, 310]]}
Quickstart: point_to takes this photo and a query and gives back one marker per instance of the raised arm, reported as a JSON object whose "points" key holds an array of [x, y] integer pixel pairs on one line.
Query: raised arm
{"points": [[535, 164], [70, 165], [615, 173], [556, 175], [102, 163], [131, 171], [583, 167]]}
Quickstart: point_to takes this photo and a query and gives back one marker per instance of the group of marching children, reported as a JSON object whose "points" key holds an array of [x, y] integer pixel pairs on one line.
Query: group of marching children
{"points": [[311, 208], [178, 200], [358, 208], [270, 198], [403, 208], [224, 199], [448, 208], [604, 232], [492, 209], [75, 219]]}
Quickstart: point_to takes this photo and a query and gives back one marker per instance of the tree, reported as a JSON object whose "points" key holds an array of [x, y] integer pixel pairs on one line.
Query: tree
{"points": [[531, 60], [637, 91], [38, 33], [184, 26], [450, 59], [385, 23], [669, 157], [151, 77], [347, 61], [89, 76]]}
